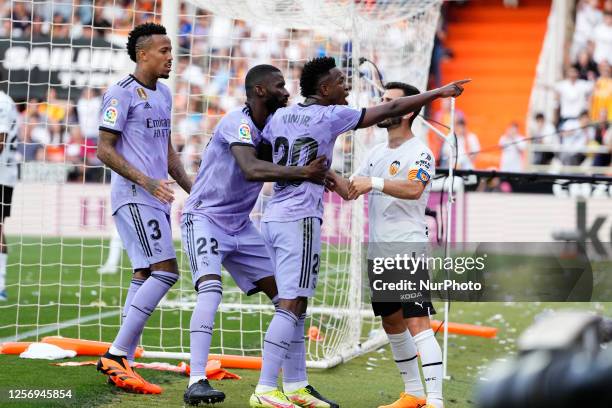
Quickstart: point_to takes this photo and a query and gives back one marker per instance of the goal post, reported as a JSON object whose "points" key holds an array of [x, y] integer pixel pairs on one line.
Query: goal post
{"points": [[60, 226]]}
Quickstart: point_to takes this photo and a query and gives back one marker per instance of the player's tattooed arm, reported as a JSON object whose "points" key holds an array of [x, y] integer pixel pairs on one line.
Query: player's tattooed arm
{"points": [[403, 189], [261, 170], [406, 104], [338, 184], [176, 169], [107, 153]]}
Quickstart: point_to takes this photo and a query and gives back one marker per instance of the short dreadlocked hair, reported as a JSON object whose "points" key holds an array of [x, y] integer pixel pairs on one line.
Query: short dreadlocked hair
{"points": [[312, 73], [141, 33]]}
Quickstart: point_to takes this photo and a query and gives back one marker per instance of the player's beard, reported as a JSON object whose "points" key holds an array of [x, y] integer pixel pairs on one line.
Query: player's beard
{"points": [[273, 104], [390, 123]]}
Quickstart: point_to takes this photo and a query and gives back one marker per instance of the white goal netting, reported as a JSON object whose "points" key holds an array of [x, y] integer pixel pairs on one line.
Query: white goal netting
{"points": [[56, 59]]}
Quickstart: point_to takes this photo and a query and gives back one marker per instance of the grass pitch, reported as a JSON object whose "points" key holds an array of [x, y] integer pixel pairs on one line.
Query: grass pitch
{"points": [[55, 282]]}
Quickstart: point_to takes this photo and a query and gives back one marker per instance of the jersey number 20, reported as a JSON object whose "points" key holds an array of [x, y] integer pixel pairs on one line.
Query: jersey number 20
{"points": [[291, 155]]}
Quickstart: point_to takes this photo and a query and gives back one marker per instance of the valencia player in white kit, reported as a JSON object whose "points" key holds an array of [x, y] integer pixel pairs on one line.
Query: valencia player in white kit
{"points": [[396, 175], [8, 176], [291, 225]]}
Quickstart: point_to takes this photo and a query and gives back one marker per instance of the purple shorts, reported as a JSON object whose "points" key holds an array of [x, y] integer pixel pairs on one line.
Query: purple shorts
{"points": [[244, 254], [146, 234], [295, 249]]}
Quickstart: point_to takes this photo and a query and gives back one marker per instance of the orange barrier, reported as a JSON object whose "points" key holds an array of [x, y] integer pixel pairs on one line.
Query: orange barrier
{"points": [[14, 347], [466, 329], [97, 348], [83, 347], [229, 361]]}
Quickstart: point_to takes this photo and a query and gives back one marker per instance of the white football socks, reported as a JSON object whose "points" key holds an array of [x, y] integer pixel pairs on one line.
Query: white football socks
{"points": [[431, 362], [405, 356]]}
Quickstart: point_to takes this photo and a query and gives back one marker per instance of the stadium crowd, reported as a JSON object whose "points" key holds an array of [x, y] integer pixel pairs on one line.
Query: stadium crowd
{"points": [[213, 56], [584, 95], [215, 53]]}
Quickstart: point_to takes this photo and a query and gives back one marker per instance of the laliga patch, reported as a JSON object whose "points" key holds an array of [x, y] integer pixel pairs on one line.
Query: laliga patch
{"points": [[244, 133], [419, 175], [394, 168], [110, 116], [141, 93]]}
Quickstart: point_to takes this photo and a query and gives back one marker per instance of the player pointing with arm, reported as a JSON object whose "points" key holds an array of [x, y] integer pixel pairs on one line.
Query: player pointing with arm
{"points": [[396, 175], [216, 227], [135, 143], [292, 221]]}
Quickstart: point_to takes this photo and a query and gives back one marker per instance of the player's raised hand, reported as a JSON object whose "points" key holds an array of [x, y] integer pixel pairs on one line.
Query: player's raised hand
{"points": [[453, 89], [359, 185], [160, 189], [316, 170]]}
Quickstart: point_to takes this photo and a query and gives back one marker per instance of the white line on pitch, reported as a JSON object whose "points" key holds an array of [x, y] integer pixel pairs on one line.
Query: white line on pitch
{"points": [[58, 326]]}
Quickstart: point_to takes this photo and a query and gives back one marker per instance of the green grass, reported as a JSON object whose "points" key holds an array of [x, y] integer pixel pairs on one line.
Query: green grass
{"points": [[58, 282]]}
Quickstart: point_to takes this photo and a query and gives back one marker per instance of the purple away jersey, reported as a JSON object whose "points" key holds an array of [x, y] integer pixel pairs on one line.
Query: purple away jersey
{"points": [[141, 117], [220, 191], [298, 135]]}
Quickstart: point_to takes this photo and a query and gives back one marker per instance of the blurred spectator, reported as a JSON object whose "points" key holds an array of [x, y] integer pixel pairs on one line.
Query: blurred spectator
{"points": [[74, 154], [101, 25], [88, 109], [542, 132], [49, 9], [601, 100], [60, 28], [604, 159], [601, 126], [602, 40], [54, 111], [572, 95], [37, 130], [20, 19], [468, 147], [512, 145], [28, 148], [587, 68], [588, 16], [575, 136]]}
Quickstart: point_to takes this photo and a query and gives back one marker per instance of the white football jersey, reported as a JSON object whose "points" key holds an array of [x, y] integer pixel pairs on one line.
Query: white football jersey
{"points": [[393, 219], [8, 125]]}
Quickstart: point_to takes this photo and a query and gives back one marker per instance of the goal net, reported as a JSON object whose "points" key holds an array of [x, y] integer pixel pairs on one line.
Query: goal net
{"points": [[55, 61]]}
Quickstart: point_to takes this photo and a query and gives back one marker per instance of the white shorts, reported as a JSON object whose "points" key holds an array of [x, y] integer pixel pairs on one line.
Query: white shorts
{"points": [[244, 254], [146, 234], [295, 249]]}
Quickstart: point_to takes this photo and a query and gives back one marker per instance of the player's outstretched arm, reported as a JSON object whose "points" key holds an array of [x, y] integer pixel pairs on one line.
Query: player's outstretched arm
{"points": [[108, 155], [261, 170], [406, 104], [338, 184], [176, 169], [403, 189]]}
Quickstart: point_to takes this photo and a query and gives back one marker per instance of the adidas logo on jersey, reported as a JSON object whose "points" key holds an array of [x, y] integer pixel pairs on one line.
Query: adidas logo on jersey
{"points": [[147, 106]]}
